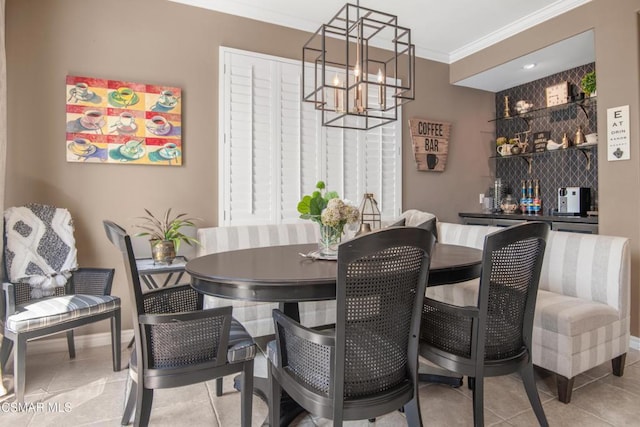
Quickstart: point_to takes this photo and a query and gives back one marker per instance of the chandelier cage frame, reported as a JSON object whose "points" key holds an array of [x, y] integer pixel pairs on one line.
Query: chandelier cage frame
{"points": [[347, 71]]}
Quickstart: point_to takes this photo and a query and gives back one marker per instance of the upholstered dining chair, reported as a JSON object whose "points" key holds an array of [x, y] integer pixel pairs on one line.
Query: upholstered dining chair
{"points": [[40, 237], [494, 337], [368, 365], [177, 342], [420, 219]]}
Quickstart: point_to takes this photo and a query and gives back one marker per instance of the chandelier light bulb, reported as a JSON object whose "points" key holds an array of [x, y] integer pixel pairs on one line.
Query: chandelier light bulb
{"points": [[336, 93], [381, 97]]}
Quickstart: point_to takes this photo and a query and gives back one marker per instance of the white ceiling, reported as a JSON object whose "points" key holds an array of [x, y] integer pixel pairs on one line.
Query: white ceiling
{"points": [[566, 54], [443, 31]]}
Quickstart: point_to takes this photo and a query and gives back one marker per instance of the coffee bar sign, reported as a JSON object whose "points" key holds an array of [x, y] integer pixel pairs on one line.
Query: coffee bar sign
{"points": [[430, 143]]}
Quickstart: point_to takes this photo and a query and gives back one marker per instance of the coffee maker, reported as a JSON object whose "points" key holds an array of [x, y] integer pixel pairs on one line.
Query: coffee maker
{"points": [[574, 200]]}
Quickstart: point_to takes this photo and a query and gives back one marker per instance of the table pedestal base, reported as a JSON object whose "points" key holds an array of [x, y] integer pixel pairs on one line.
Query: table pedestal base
{"points": [[454, 382], [434, 374]]}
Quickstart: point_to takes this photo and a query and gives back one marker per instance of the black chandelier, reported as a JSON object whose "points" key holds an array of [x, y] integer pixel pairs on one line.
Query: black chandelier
{"points": [[359, 68]]}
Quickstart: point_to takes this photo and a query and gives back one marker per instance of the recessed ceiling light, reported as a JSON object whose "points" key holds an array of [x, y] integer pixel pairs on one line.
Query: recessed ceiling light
{"points": [[528, 66]]}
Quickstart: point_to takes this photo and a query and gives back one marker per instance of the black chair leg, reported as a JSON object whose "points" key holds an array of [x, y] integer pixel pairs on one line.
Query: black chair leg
{"points": [[412, 412], [131, 403], [529, 381], [115, 340], [218, 386], [19, 365], [71, 344], [470, 382], [275, 394], [246, 394], [617, 363], [144, 400], [5, 351], [478, 401]]}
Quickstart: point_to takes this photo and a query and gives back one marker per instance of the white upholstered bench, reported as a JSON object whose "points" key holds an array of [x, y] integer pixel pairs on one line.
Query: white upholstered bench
{"points": [[582, 311], [256, 316]]}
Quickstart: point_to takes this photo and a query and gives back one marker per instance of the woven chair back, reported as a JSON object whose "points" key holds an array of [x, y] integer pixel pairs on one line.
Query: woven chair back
{"points": [[381, 282], [512, 289]]}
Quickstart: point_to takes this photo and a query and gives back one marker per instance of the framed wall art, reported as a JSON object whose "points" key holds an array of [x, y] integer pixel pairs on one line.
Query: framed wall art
{"points": [[430, 141], [112, 121]]}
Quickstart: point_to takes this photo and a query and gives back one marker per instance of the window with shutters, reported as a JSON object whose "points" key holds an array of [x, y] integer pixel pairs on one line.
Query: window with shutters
{"points": [[273, 148]]}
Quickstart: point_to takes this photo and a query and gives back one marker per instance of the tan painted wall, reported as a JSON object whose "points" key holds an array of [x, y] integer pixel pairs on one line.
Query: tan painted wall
{"points": [[160, 42], [618, 69]]}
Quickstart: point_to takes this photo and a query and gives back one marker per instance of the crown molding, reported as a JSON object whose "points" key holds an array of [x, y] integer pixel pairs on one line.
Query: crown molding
{"points": [[522, 24], [253, 11]]}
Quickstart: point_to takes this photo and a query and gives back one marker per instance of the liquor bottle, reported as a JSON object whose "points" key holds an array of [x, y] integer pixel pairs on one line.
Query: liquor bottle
{"points": [[529, 197], [497, 194], [523, 197], [537, 201]]}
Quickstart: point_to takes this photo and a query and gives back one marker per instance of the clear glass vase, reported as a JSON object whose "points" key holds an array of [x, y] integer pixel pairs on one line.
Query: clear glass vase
{"points": [[329, 241]]}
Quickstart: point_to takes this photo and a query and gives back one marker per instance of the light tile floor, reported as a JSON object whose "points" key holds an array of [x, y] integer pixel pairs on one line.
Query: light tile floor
{"points": [[86, 392]]}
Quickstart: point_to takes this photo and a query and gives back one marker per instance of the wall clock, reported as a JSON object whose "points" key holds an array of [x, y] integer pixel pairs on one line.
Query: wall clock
{"points": [[557, 94]]}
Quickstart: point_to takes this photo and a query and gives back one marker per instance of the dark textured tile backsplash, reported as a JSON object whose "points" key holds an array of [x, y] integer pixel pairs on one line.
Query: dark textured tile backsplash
{"points": [[554, 169]]}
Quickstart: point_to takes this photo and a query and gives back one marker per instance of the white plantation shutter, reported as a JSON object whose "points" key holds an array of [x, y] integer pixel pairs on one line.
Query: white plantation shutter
{"points": [[248, 150], [309, 146], [360, 162], [388, 197], [290, 136], [333, 157], [273, 148]]}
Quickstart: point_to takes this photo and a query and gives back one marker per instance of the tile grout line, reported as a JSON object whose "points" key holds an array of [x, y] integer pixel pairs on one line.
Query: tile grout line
{"points": [[598, 416], [457, 389], [213, 407]]}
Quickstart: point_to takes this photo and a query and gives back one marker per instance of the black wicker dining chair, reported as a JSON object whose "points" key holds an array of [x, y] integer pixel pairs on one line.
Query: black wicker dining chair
{"points": [[178, 343], [368, 365], [494, 337], [85, 298]]}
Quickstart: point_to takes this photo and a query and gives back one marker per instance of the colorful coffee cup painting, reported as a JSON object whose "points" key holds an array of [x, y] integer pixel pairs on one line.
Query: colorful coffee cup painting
{"points": [[110, 121]]}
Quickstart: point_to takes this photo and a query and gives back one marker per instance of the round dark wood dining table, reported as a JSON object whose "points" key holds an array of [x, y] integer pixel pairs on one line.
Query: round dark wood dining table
{"points": [[281, 274]]}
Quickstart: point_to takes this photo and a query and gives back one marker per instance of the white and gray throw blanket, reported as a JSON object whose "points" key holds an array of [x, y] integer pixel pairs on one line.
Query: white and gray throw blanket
{"points": [[40, 247]]}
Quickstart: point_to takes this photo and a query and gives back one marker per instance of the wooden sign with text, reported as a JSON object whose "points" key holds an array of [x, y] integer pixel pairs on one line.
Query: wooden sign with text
{"points": [[540, 140], [430, 143]]}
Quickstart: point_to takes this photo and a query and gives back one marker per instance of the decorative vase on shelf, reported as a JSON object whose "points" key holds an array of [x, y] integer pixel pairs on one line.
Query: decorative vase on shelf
{"points": [[509, 204], [329, 241]]}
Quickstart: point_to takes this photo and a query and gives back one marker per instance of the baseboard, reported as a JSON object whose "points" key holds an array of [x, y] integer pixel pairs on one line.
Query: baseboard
{"points": [[634, 343], [81, 341]]}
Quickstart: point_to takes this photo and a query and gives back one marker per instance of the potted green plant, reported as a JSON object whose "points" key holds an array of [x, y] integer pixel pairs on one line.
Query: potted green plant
{"points": [[588, 83], [165, 234]]}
